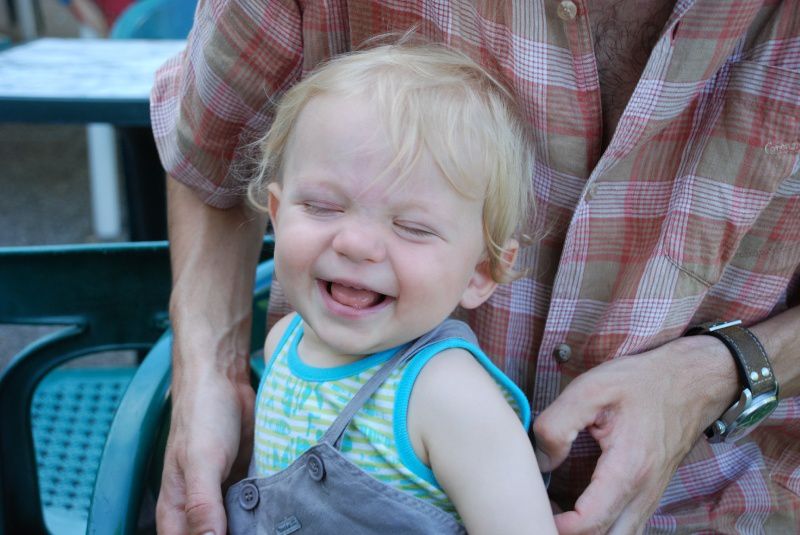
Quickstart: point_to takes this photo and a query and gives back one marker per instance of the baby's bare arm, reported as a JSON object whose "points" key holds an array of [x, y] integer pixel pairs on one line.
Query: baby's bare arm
{"points": [[462, 426]]}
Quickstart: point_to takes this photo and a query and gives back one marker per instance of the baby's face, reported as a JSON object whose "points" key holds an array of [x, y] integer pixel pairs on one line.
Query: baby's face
{"points": [[367, 262]]}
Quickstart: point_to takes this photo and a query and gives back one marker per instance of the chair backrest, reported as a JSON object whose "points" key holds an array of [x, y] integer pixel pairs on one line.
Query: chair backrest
{"points": [[104, 303], [155, 19], [110, 297]]}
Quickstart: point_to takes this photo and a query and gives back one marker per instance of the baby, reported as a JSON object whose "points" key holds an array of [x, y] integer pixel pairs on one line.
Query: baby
{"points": [[395, 179]]}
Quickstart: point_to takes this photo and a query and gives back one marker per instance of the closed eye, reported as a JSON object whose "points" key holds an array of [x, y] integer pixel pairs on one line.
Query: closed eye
{"points": [[414, 230], [320, 208]]}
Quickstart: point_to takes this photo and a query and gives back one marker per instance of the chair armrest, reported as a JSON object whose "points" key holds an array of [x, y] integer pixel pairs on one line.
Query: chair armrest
{"points": [[142, 413], [120, 480], [110, 296]]}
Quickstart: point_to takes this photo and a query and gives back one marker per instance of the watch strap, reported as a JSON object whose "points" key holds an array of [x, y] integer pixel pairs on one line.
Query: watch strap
{"points": [[748, 352]]}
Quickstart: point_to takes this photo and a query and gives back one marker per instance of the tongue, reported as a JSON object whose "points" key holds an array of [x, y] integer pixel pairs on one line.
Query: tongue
{"points": [[354, 297]]}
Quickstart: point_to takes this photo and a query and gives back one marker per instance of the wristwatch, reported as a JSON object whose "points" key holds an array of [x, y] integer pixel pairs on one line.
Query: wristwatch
{"points": [[759, 395]]}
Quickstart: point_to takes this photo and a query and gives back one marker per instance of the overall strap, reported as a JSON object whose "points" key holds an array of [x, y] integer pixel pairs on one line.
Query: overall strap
{"points": [[447, 329]]}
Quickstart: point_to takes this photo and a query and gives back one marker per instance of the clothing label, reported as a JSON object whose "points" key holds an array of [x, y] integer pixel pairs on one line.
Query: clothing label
{"points": [[287, 526]]}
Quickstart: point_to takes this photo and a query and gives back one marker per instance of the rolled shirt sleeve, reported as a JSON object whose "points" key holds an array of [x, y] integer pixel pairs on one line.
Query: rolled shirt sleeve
{"points": [[212, 101]]}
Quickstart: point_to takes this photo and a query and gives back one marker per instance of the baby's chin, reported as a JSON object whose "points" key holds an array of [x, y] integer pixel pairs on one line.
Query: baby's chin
{"points": [[358, 351], [351, 350]]}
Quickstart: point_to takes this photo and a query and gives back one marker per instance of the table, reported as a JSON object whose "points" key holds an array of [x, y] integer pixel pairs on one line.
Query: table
{"points": [[81, 80], [85, 81]]}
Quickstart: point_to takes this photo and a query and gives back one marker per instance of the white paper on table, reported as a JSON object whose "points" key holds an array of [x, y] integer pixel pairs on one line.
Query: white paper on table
{"points": [[84, 68]]}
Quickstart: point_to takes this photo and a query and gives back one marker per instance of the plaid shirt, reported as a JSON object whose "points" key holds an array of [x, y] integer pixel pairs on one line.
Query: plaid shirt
{"points": [[692, 213]]}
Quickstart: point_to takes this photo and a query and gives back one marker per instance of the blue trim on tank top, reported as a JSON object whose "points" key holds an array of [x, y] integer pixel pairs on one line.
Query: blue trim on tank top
{"points": [[313, 373], [405, 449], [286, 334]]}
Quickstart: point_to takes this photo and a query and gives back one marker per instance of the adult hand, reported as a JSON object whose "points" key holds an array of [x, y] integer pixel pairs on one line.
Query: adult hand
{"points": [[646, 412], [210, 437], [214, 254]]}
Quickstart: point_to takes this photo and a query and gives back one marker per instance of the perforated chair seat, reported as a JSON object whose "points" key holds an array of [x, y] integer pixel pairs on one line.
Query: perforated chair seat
{"points": [[80, 448], [55, 419], [71, 413]]}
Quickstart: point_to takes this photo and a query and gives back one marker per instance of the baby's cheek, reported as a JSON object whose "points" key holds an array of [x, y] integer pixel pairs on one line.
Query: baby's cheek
{"points": [[287, 261], [286, 258], [428, 283]]}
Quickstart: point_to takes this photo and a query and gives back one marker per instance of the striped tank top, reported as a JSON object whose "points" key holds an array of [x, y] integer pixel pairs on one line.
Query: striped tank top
{"points": [[296, 403]]}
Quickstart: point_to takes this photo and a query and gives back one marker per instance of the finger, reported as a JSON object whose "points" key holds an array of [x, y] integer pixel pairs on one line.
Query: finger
{"points": [[611, 490], [579, 406], [205, 512], [171, 505], [242, 463], [635, 514], [631, 520]]}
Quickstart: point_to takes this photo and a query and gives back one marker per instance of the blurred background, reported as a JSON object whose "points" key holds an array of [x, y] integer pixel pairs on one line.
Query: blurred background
{"points": [[44, 176], [46, 199], [43, 167]]}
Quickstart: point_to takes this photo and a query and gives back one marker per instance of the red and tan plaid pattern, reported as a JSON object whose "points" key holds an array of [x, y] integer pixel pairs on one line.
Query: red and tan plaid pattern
{"points": [[692, 213]]}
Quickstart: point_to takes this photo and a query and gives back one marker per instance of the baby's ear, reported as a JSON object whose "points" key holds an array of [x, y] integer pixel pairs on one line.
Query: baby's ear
{"points": [[274, 201], [481, 285]]}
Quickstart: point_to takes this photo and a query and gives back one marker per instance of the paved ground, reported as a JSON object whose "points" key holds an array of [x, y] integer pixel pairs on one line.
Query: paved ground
{"points": [[44, 191]]}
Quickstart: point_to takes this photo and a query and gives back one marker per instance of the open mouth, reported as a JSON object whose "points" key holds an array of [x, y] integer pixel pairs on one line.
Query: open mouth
{"points": [[353, 296]]}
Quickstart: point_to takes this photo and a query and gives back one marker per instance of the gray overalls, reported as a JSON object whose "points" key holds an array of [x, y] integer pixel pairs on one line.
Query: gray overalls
{"points": [[322, 492]]}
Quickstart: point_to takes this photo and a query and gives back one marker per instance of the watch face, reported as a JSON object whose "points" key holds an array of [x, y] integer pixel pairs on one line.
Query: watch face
{"points": [[759, 408]]}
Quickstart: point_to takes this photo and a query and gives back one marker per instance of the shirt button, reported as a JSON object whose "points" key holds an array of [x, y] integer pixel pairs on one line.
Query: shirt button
{"points": [[248, 497], [562, 353], [591, 191], [567, 10], [316, 468]]}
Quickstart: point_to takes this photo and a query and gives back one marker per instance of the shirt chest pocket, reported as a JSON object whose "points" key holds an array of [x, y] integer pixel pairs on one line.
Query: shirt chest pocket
{"points": [[736, 201]]}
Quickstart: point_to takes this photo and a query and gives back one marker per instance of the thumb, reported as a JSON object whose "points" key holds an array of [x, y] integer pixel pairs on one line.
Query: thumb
{"points": [[557, 427], [205, 512]]}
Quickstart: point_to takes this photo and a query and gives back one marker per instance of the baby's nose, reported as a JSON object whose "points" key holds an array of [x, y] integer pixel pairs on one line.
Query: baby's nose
{"points": [[360, 241]]}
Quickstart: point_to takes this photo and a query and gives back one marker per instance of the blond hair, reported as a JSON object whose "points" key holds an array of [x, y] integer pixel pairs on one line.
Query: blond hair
{"points": [[432, 98]]}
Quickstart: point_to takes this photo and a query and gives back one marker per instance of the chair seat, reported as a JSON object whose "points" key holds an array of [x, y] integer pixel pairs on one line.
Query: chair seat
{"points": [[71, 413], [81, 449]]}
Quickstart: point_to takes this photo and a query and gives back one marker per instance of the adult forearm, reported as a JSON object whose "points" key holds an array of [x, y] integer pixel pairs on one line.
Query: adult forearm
{"points": [[214, 253], [710, 359]]}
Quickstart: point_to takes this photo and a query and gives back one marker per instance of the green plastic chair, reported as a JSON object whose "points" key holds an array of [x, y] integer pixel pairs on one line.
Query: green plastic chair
{"points": [[155, 19], [80, 448]]}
